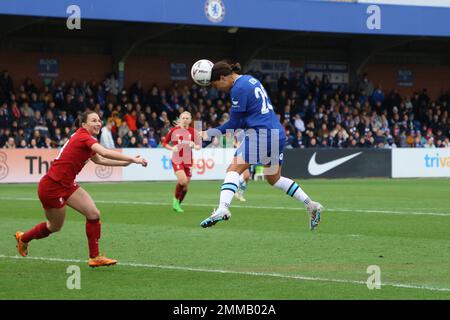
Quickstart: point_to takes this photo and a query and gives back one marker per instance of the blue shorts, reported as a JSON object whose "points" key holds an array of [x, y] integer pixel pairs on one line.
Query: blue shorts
{"points": [[262, 148]]}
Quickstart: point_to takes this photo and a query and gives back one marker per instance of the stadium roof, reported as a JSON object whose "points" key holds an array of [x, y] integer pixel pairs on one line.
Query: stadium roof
{"points": [[299, 15]]}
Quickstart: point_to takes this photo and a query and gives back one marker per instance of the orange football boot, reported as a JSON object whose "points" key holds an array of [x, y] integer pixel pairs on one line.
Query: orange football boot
{"points": [[22, 247], [101, 261]]}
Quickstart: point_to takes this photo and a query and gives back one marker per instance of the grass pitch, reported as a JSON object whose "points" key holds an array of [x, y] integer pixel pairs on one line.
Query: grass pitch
{"points": [[265, 251]]}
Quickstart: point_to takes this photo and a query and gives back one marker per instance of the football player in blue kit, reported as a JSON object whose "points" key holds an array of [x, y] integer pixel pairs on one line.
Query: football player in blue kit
{"points": [[252, 111]]}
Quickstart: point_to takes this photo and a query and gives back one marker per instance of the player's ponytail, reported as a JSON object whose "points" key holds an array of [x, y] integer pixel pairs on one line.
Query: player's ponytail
{"points": [[236, 67], [222, 68]]}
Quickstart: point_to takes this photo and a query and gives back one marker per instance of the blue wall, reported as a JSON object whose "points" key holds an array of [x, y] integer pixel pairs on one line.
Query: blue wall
{"points": [[300, 15]]}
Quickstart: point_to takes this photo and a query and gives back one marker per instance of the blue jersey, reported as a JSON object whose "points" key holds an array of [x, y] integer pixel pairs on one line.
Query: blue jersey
{"points": [[251, 107]]}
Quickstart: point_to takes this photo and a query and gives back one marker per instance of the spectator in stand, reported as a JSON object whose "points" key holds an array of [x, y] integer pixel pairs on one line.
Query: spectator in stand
{"points": [[283, 82], [378, 95], [430, 143], [4, 116], [152, 141], [137, 91], [48, 143], [446, 143], [133, 142], [390, 144], [22, 144], [365, 85], [119, 143], [29, 87], [6, 86], [58, 137], [64, 120], [141, 120], [19, 135], [380, 138], [131, 119], [36, 105], [10, 143], [299, 123], [5, 133], [313, 143], [294, 83], [123, 130], [111, 88], [106, 137]]}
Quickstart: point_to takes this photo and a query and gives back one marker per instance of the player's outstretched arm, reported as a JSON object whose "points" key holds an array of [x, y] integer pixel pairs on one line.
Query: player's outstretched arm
{"points": [[113, 155], [233, 124], [108, 162]]}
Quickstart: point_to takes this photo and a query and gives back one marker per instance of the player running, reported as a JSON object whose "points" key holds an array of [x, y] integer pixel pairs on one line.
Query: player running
{"points": [[58, 188], [251, 110], [182, 137]]}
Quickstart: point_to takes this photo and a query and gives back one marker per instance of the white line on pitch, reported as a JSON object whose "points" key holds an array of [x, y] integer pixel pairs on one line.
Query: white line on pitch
{"points": [[245, 273], [150, 203]]}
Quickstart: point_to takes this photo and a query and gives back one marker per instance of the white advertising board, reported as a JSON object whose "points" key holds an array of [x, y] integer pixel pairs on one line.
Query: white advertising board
{"points": [[209, 164], [417, 163]]}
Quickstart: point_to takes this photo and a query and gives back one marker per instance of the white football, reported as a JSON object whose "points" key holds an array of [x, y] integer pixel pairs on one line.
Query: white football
{"points": [[201, 72]]}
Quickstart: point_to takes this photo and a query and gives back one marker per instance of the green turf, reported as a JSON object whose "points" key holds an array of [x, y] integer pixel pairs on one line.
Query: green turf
{"points": [[409, 239]]}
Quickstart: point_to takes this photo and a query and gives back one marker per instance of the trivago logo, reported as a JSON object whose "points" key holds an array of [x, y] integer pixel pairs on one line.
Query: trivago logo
{"points": [[200, 166], [436, 161]]}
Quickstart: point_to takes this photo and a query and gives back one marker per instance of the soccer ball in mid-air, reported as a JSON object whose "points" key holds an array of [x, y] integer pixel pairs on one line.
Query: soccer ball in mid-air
{"points": [[201, 72]]}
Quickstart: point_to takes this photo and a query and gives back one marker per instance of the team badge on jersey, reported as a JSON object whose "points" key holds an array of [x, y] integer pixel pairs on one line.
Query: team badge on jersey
{"points": [[214, 10]]}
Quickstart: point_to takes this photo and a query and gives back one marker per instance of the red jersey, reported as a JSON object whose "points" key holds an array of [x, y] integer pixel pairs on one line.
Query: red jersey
{"points": [[182, 137], [72, 157]]}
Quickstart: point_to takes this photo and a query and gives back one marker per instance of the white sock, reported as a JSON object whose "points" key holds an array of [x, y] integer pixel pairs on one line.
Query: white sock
{"points": [[293, 189], [229, 187], [242, 183]]}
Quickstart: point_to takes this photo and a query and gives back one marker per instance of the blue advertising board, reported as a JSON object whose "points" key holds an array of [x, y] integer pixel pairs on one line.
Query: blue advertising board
{"points": [[300, 15], [48, 68], [405, 78], [178, 71]]}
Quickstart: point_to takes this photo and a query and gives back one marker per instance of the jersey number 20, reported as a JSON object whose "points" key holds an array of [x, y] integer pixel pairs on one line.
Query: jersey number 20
{"points": [[261, 93]]}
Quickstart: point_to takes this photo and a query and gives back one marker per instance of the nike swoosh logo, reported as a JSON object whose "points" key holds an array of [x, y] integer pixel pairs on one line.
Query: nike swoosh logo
{"points": [[316, 169]]}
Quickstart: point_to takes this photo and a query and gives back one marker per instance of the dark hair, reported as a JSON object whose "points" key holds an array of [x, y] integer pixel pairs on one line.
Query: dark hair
{"points": [[222, 68], [83, 118]]}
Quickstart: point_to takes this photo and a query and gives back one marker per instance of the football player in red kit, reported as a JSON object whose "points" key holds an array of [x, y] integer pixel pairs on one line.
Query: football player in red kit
{"points": [[58, 188], [182, 138]]}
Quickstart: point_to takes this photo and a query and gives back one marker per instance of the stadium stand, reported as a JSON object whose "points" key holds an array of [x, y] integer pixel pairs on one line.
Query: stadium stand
{"points": [[313, 113]]}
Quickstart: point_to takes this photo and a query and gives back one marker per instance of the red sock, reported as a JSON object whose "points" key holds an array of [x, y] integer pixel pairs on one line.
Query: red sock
{"points": [[93, 232], [178, 191], [183, 193], [38, 232]]}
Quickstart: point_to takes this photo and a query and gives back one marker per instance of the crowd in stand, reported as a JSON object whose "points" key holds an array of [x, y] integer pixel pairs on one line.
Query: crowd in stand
{"points": [[313, 112]]}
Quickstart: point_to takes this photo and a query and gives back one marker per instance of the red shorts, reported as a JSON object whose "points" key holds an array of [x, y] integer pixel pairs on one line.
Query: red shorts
{"points": [[187, 168], [54, 195]]}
